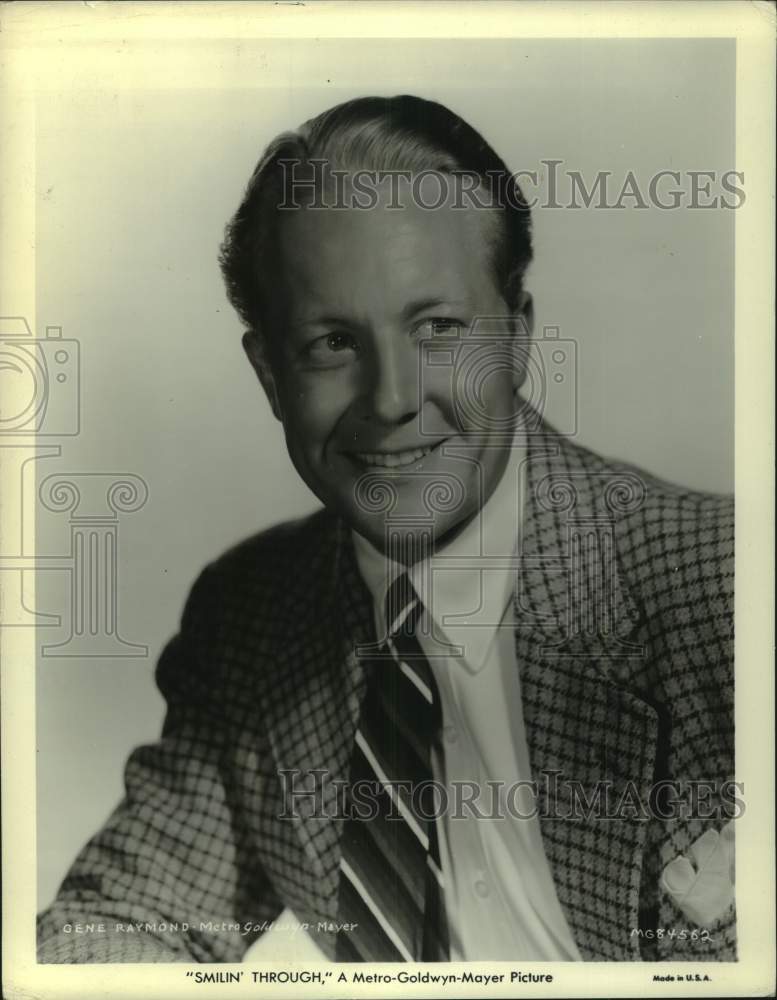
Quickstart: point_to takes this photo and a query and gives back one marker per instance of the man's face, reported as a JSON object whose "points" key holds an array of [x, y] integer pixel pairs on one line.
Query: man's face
{"points": [[365, 414]]}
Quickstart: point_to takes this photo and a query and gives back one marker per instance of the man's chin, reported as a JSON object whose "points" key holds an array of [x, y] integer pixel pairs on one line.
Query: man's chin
{"points": [[406, 537]]}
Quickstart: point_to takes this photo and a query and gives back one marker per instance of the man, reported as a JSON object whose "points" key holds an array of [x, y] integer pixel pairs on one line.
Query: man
{"points": [[480, 706]]}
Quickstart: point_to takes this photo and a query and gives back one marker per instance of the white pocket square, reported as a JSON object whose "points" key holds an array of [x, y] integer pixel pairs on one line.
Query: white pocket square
{"points": [[701, 882]]}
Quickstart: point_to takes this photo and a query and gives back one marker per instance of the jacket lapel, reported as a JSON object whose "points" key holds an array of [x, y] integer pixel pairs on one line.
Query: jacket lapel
{"points": [[313, 713], [587, 732]]}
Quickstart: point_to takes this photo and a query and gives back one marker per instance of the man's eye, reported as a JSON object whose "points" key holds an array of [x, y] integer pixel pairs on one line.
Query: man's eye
{"points": [[339, 341], [332, 349]]}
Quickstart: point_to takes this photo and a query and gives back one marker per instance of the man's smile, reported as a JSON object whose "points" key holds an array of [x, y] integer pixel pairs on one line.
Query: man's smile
{"points": [[395, 458], [391, 459]]}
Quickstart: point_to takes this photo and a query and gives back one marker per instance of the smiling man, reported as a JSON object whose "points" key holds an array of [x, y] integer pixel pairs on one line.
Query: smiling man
{"points": [[340, 352], [464, 711]]}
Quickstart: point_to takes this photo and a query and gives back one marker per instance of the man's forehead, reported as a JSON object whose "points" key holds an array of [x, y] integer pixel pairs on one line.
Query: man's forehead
{"points": [[339, 254]]}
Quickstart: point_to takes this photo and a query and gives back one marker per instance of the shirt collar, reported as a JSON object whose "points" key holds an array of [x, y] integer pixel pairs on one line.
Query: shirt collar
{"points": [[464, 593]]}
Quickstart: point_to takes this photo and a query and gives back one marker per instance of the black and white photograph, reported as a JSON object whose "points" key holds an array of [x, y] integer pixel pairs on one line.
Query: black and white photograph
{"points": [[387, 488]]}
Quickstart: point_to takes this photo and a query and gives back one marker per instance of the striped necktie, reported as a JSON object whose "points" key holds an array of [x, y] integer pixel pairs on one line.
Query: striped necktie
{"points": [[391, 886]]}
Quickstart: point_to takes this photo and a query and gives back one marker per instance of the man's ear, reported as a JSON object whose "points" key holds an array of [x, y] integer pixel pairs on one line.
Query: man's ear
{"points": [[524, 329], [255, 346]]}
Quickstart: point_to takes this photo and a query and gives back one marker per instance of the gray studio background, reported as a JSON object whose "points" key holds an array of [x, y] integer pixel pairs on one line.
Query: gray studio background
{"points": [[134, 188]]}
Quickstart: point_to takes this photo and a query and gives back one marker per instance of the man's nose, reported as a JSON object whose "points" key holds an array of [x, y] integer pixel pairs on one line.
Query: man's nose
{"points": [[395, 391]]}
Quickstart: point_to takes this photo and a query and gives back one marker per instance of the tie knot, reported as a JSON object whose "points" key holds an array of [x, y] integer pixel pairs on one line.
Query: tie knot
{"points": [[403, 607]]}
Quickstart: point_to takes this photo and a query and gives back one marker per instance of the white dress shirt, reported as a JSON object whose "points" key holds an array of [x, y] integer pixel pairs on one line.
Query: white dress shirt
{"points": [[500, 896]]}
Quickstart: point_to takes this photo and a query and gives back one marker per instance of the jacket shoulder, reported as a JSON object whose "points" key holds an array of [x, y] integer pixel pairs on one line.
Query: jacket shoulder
{"points": [[277, 551], [269, 578], [243, 607], [675, 545], [678, 541]]}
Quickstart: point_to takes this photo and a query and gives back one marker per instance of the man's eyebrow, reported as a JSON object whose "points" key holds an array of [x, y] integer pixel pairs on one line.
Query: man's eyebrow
{"points": [[421, 305], [326, 319], [408, 312]]}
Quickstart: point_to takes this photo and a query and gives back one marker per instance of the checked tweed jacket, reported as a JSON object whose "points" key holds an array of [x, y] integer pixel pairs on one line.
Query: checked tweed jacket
{"points": [[263, 677]]}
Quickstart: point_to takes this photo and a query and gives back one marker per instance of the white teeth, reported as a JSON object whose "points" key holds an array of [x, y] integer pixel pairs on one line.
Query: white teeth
{"points": [[391, 460]]}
